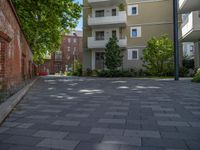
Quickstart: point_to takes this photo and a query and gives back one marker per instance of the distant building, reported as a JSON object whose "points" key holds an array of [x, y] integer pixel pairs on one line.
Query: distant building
{"points": [[63, 60], [190, 29], [16, 57]]}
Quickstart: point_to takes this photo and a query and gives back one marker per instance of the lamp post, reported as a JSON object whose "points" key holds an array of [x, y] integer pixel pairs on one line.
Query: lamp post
{"points": [[74, 51], [176, 42]]}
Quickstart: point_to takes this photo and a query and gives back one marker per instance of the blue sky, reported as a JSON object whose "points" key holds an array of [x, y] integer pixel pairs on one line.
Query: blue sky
{"points": [[79, 27]]}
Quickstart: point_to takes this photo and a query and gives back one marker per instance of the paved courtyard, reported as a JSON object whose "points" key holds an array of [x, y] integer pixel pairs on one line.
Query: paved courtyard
{"points": [[105, 114]]}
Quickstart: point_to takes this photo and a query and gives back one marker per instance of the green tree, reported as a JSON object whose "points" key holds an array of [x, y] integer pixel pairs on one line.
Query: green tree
{"points": [[44, 22], [158, 56], [113, 55]]}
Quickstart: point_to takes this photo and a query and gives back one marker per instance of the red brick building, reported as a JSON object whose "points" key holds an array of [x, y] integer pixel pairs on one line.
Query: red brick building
{"points": [[16, 63], [70, 50]]}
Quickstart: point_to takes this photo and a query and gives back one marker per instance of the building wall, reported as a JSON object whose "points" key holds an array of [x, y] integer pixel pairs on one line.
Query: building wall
{"points": [[16, 63], [154, 17], [70, 50]]}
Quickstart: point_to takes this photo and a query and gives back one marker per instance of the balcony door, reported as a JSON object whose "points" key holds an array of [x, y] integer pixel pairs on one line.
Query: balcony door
{"points": [[114, 12], [99, 60], [99, 35]]}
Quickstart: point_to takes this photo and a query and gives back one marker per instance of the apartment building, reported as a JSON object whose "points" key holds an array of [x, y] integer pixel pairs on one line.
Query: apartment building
{"points": [[63, 60], [133, 22], [190, 28]]}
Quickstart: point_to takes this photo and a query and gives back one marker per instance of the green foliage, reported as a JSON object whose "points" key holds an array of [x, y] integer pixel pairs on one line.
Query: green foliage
{"points": [[158, 56], [113, 55], [121, 73], [89, 72], [121, 7], [188, 63], [77, 68], [44, 22], [183, 72], [197, 76]]}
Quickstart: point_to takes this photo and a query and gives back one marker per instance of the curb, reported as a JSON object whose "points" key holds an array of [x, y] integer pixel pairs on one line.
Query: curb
{"points": [[11, 102]]}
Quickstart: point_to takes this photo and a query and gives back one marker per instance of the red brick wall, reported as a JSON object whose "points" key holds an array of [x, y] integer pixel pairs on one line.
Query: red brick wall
{"points": [[16, 56]]}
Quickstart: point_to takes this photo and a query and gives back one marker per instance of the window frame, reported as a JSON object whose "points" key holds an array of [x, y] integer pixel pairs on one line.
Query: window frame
{"points": [[130, 51], [130, 10], [139, 32]]}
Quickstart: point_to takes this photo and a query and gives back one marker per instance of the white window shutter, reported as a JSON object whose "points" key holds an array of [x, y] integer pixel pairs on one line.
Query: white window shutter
{"points": [[129, 54]]}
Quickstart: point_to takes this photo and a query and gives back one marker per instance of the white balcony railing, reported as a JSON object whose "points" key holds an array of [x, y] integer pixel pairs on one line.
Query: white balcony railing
{"points": [[93, 43], [191, 25], [120, 18], [186, 6], [103, 3]]}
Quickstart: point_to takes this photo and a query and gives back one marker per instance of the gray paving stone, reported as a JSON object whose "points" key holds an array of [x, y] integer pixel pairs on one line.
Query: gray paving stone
{"points": [[51, 111], [85, 109], [118, 108], [3, 129], [50, 134], [66, 123], [25, 125], [10, 124], [173, 123], [195, 124], [85, 137], [22, 140], [122, 140], [58, 144], [142, 133], [167, 143], [37, 117], [167, 115], [158, 112], [77, 115], [116, 113], [106, 131], [118, 121]]}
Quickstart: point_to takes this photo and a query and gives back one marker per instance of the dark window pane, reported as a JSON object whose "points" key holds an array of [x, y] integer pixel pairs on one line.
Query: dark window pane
{"points": [[134, 54], [99, 13], [134, 10]]}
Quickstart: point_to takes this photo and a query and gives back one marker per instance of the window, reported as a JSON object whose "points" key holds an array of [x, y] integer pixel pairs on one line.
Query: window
{"points": [[99, 13], [133, 54], [135, 32], [58, 55], [132, 10], [114, 12], [69, 40], [99, 35], [74, 40], [114, 33], [68, 49]]}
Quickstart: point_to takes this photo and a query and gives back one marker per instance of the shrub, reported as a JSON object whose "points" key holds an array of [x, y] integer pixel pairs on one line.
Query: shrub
{"points": [[183, 72], [197, 76], [77, 68], [89, 72], [188, 63], [158, 56], [118, 73]]}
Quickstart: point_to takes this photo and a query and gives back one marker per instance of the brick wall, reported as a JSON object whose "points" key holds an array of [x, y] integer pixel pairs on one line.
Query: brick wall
{"points": [[16, 57]]}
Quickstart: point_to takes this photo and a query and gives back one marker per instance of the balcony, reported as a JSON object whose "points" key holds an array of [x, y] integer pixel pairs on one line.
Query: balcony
{"points": [[190, 30], [186, 6], [119, 20], [93, 43], [104, 3]]}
